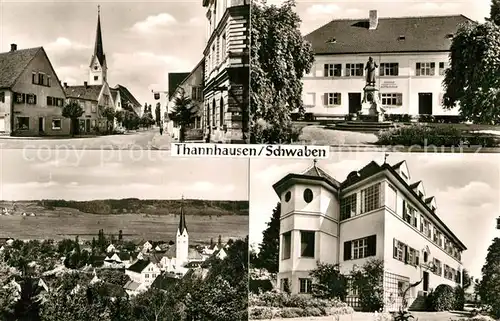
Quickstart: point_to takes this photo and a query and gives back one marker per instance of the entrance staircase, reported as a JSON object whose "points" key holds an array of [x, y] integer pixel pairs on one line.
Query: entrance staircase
{"points": [[418, 304]]}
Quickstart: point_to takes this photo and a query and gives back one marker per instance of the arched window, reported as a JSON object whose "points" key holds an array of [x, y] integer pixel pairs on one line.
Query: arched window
{"points": [[221, 111]]}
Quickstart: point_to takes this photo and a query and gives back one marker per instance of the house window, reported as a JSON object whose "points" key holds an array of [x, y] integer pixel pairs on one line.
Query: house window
{"points": [[223, 49], [305, 285], [60, 102], [308, 195], [333, 99], [96, 78], [307, 243], [425, 68], [284, 286], [333, 70], [2, 97], [442, 68], [354, 70], [50, 101], [287, 245], [49, 83], [94, 107], [399, 250], [348, 206], [288, 196], [41, 79], [438, 268], [56, 124], [360, 248], [34, 78], [20, 98], [409, 214], [389, 69], [23, 123], [371, 198], [32, 99], [392, 99], [427, 228], [93, 123]]}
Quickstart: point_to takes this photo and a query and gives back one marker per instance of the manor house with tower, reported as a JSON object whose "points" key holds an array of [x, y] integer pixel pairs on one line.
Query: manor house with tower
{"points": [[377, 212]]}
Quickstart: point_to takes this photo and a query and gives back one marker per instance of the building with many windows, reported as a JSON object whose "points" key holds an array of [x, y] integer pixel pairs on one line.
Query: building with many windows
{"points": [[226, 76], [412, 54], [31, 95], [378, 212]]}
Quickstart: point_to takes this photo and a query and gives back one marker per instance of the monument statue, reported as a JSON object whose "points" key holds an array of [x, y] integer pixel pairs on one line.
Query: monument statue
{"points": [[370, 68]]}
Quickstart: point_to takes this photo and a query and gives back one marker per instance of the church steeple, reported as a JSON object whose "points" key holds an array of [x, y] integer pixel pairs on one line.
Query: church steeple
{"points": [[182, 221], [98, 68], [98, 48]]}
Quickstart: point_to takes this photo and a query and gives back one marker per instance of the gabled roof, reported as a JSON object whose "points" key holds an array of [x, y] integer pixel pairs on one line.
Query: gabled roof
{"points": [[127, 97], [164, 281], [13, 63], [89, 92], [114, 93], [139, 266], [420, 34], [131, 286], [174, 80]]}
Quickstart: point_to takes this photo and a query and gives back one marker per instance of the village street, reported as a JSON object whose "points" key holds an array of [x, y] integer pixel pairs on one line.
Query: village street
{"points": [[136, 140]]}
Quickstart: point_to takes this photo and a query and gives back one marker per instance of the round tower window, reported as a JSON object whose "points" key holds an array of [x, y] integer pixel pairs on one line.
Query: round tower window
{"points": [[288, 196], [308, 195]]}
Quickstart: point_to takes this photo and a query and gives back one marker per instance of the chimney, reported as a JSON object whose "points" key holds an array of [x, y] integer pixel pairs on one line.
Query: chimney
{"points": [[13, 47], [373, 19], [85, 84], [65, 85]]}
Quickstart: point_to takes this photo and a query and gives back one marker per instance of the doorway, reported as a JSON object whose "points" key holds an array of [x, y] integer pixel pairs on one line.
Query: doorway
{"points": [[425, 103], [426, 282], [40, 124], [354, 102]]}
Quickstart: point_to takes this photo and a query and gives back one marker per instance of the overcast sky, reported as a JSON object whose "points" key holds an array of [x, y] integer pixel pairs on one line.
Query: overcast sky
{"points": [[36, 174], [314, 14], [143, 40], [466, 187]]}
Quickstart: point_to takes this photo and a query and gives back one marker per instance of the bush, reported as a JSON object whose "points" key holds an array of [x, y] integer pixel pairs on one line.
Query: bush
{"points": [[369, 283], [459, 299], [330, 283], [442, 299]]}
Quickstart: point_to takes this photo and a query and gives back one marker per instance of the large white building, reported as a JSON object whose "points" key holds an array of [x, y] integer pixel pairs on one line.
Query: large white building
{"points": [[226, 74], [412, 54], [376, 213]]}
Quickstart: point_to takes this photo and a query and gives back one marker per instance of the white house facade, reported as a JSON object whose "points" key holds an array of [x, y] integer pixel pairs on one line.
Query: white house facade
{"points": [[412, 54], [376, 213]]}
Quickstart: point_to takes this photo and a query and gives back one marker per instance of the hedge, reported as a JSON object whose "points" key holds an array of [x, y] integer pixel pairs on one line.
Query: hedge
{"points": [[442, 298]]}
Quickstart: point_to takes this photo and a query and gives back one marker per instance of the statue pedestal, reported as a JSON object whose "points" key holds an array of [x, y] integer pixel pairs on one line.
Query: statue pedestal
{"points": [[370, 106]]}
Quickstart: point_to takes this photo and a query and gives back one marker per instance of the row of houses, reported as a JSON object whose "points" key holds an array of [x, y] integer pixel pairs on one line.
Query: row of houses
{"points": [[32, 96], [219, 84]]}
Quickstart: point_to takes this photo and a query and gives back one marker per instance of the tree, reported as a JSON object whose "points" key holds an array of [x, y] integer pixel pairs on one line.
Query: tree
{"points": [[330, 283], [279, 58], [120, 117], [472, 79], [268, 256], [109, 114], [182, 114], [495, 12], [73, 111], [147, 120], [489, 288], [466, 279]]}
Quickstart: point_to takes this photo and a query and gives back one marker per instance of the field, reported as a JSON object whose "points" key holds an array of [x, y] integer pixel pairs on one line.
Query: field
{"points": [[59, 223]]}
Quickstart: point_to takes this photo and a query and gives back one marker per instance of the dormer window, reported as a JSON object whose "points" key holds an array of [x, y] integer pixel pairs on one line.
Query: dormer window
{"points": [[401, 37], [449, 36], [331, 40], [95, 67]]}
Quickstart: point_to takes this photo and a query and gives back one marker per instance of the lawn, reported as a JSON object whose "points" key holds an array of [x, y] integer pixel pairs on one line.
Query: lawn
{"points": [[67, 223]]}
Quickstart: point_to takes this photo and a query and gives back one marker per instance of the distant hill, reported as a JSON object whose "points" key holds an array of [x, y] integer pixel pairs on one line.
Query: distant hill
{"points": [[134, 205]]}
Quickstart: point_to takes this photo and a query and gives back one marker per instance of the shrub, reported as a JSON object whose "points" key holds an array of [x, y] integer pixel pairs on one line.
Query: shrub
{"points": [[459, 299], [259, 313], [442, 299], [369, 282]]}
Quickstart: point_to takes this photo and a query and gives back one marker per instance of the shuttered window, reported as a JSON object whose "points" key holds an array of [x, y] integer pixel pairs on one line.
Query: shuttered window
{"points": [[360, 248]]}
